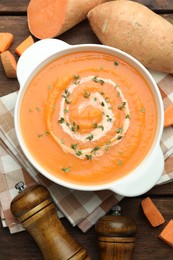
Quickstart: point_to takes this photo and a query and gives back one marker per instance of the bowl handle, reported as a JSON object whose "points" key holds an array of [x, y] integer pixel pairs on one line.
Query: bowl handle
{"points": [[131, 187], [35, 55]]}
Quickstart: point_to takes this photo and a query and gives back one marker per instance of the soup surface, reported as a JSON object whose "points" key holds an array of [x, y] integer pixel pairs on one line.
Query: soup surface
{"points": [[88, 118]]}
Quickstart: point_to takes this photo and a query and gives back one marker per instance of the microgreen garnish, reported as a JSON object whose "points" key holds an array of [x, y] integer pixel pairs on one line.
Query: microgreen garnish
{"points": [[118, 93], [116, 86], [75, 127], [38, 109], [95, 125], [79, 153], [96, 148], [86, 94], [116, 63], [121, 106], [109, 119], [107, 146], [67, 101], [95, 99], [90, 137], [119, 130], [49, 87], [62, 141], [41, 135], [128, 116], [120, 162], [142, 110], [67, 169], [98, 126], [103, 104], [97, 80], [66, 95], [65, 111], [76, 78], [61, 120], [88, 156], [74, 146], [119, 137], [102, 93], [106, 99], [68, 124], [101, 126]]}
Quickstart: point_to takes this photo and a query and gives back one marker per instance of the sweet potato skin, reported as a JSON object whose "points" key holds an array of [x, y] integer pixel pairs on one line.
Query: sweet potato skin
{"points": [[137, 30]]}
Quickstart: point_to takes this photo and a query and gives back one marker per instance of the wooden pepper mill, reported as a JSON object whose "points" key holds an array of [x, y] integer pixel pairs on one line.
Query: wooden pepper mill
{"points": [[36, 211], [116, 236]]}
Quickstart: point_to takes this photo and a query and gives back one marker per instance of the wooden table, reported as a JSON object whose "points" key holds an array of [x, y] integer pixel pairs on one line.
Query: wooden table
{"points": [[21, 246]]}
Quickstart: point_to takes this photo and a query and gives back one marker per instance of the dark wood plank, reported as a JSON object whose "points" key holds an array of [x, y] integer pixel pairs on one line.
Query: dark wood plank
{"points": [[157, 5], [17, 25], [15, 6], [148, 245], [18, 6]]}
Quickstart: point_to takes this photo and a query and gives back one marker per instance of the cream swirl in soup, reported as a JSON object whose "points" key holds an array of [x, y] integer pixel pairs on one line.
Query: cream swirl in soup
{"points": [[88, 117]]}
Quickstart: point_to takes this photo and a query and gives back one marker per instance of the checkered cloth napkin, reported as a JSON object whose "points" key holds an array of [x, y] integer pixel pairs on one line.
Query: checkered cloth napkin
{"points": [[81, 208]]}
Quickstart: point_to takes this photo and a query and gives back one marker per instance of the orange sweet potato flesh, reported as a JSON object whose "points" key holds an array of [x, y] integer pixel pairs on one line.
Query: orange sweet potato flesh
{"points": [[6, 40], [137, 30], [151, 212], [24, 45], [167, 233], [168, 116], [9, 64], [47, 19]]}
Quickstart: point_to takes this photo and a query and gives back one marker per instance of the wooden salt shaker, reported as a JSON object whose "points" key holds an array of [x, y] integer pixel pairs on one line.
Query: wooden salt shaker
{"points": [[116, 236], [35, 210]]}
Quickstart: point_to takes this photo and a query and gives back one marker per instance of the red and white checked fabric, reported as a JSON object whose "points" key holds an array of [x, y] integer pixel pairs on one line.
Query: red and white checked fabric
{"points": [[81, 208]]}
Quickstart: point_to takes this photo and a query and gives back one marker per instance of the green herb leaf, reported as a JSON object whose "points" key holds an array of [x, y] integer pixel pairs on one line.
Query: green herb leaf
{"points": [[61, 120], [67, 169], [88, 156], [65, 111], [38, 109], [79, 153], [90, 137], [62, 141], [101, 126], [120, 107], [120, 162], [116, 63], [86, 94], [74, 146], [128, 116], [142, 110], [119, 130], [96, 148]]}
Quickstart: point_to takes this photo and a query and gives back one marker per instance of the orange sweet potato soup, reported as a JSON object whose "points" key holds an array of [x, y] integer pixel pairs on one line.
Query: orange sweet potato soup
{"points": [[88, 118]]}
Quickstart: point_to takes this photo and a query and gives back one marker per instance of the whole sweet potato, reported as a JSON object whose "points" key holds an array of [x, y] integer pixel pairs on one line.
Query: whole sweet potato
{"points": [[137, 30]]}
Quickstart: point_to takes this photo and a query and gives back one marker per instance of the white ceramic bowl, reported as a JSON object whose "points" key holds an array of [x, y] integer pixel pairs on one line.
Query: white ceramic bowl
{"points": [[143, 177]]}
